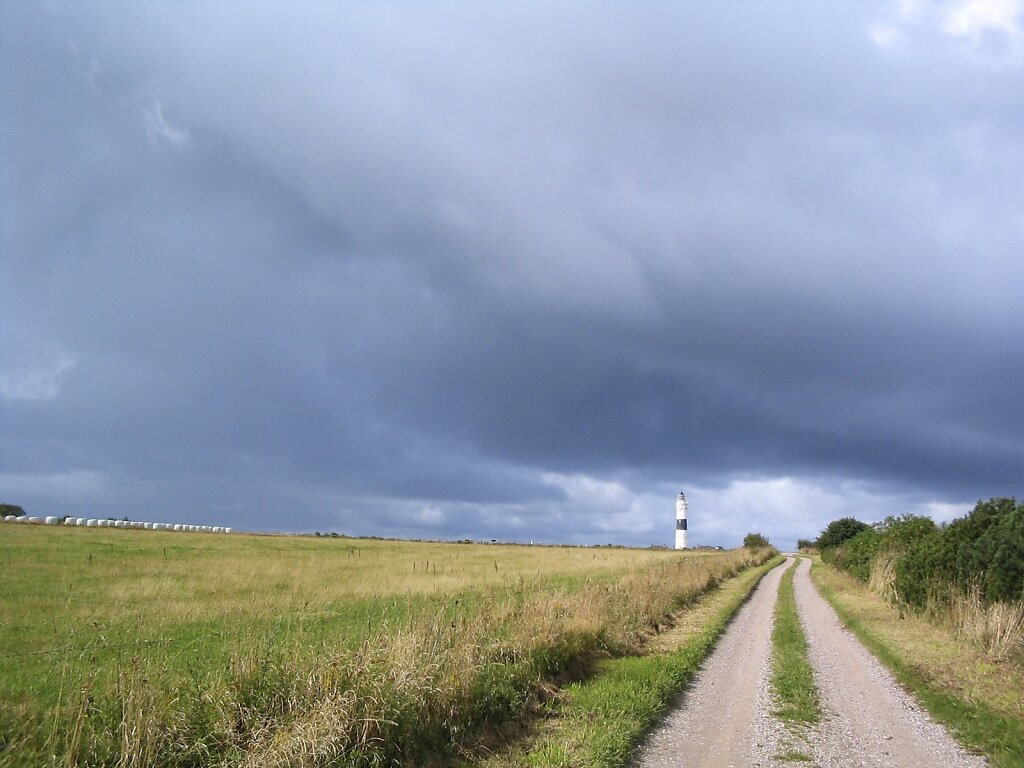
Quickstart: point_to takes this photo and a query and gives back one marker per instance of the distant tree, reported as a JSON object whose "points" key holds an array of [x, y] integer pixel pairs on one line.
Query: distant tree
{"points": [[804, 544], [11, 509], [840, 530], [755, 540]]}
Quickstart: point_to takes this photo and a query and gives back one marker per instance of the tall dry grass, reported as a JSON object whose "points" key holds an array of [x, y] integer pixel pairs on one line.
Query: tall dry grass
{"points": [[882, 579], [995, 628], [409, 693]]}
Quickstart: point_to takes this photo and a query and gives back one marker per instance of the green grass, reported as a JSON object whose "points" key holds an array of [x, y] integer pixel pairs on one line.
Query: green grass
{"points": [[143, 648], [599, 721], [75, 600], [792, 677], [942, 673]]}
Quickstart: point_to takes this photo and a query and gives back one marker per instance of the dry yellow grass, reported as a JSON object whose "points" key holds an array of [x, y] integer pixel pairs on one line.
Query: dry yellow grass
{"points": [[996, 628], [171, 577]]}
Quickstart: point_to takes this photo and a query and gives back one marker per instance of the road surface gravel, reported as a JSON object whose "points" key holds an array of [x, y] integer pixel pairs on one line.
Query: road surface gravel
{"points": [[712, 725], [869, 720], [724, 717]]}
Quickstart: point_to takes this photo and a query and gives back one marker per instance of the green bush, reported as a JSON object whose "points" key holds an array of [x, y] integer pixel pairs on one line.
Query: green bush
{"points": [[755, 540], [1003, 544], [926, 570], [902, 533], [839, 531], [858, 553], [983, 550]]}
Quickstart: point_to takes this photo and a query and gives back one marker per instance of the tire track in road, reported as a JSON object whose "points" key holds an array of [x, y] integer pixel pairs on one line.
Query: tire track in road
{"points": [[870, 721], [712, 727], [724, 718]]}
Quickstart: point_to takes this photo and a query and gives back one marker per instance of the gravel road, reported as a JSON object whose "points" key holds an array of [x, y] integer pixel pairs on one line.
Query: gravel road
{"points": [[712, 727], [870, 721], [723, 718]]}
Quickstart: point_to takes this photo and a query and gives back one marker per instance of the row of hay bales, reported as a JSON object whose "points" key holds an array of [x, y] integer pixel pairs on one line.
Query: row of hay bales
{"points": [[89, 522]]}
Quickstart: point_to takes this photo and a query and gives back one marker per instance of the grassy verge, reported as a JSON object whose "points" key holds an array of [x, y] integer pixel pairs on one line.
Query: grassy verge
{"points": [[981, 701], [139, 648], [598, 722], [792, 677]]}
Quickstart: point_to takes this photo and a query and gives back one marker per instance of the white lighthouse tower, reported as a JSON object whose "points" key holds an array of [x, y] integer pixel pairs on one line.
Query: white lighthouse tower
{"points": [[681, 521]]}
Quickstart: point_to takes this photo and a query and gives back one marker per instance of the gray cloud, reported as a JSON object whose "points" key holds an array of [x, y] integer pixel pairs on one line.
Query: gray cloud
{"points": [[515, 272]]}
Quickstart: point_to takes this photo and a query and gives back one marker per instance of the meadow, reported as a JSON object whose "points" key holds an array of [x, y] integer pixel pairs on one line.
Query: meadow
{"points": [[145, 648]]}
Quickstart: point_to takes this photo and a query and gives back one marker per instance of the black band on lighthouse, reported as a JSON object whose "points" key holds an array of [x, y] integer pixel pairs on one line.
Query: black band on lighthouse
{"points": [[681, 524]]}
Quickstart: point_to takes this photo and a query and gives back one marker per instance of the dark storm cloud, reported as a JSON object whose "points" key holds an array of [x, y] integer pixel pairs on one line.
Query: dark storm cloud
{"points": [[511, 271]]}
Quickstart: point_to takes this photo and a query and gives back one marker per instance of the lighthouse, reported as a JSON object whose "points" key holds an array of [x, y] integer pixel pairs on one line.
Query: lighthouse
{"points": [[681, 521]]}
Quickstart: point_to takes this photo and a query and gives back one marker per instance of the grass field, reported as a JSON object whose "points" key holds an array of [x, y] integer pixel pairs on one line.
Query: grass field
{"points": [[137, 648]]}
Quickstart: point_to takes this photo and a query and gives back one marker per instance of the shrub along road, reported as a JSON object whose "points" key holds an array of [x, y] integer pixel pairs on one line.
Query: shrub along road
{"points": [[725, 717]]}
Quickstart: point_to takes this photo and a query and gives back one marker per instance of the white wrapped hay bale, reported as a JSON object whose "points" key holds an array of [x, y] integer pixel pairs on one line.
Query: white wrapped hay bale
{"points": [[229, 530], [35, 520], [70, 521], [51, 520], [91, 523], [9, 518], [82, 521], [178, 527]]}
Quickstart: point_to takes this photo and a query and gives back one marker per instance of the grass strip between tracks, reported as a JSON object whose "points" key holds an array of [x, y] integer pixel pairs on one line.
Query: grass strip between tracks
{"points": [[597, 723], [792, 677], [999, 735]]}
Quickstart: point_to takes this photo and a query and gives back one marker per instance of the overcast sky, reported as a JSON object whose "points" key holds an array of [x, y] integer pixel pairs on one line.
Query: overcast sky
{"points": [[518, 271]]}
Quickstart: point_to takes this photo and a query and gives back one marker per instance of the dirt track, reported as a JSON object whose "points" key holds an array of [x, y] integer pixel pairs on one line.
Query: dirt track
{"points": [[713, 726], [870, 721], [724, 719]]}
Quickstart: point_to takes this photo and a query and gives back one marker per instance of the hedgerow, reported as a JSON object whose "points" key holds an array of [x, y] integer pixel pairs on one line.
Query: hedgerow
{"points": [[928, 564]]}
